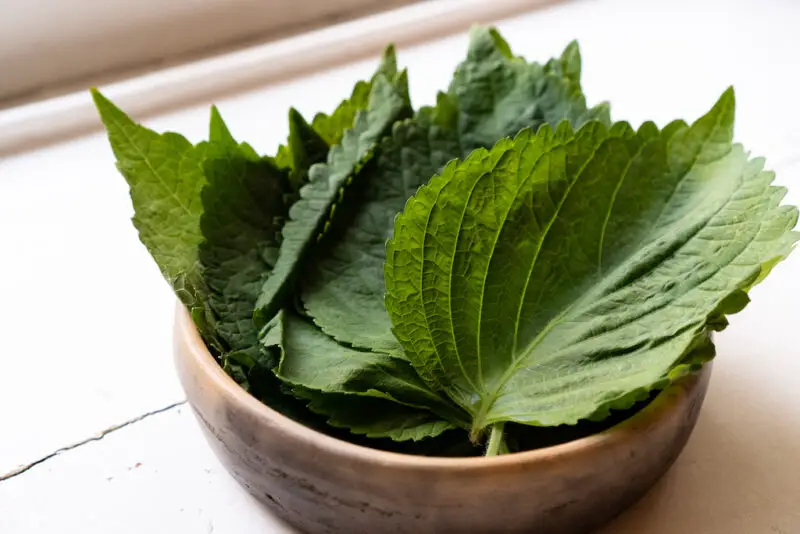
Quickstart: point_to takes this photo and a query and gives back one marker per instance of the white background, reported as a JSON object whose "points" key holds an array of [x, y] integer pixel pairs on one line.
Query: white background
{"points": [[87, 320]]}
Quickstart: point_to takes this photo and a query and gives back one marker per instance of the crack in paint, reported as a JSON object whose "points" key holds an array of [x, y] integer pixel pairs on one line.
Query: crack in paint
{"points": [[20, 470]]}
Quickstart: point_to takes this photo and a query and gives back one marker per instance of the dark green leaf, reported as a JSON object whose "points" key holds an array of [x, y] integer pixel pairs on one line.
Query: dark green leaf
{"points": [[312, 214], [375, 417], [309, 144], [332, 127], [221, 135], [243, 206], [218, 131], [562, 274], [493, 95], [312, 361], [165, 175], [208, 214], [304, 148]]}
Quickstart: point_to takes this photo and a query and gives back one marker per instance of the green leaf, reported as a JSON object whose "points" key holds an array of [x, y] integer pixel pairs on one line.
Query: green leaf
{"points": [[310, 360], [256, 377], [219, 133], [305, 148], [243, 207], [309, 144], [165, 175], [210, 215], [493, 95], [497, 94], [374, 417], [562, 274], [207, 214], [332, 127], [236, 370], [568, 65], [312, 215]]}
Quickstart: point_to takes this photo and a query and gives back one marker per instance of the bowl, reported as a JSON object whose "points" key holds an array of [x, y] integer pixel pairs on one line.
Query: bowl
{"points": [[320, 484]]}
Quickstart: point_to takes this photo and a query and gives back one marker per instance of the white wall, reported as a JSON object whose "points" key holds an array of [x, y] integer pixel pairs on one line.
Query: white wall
{"points": [[49, 42]]}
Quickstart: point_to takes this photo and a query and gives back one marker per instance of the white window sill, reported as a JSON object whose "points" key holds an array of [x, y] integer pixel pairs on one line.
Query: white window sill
{"points": [[33, 125]]}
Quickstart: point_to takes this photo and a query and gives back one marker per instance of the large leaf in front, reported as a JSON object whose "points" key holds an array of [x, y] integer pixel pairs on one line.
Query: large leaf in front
{"points": [[356, 386], [313, 213], [493, 94], [562, 274]]}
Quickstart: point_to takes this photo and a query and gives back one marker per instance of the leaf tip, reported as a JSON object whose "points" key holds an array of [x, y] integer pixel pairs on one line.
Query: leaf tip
{"points": [[722, 117], [730, 93], [295, 116], [500, 44], [726, 104], [486, 41], [401, 83], [218, 130], [215, 117], [111, 115], [572, 53], [298, 125], [388, 64], [100, 101], [602, 112]]}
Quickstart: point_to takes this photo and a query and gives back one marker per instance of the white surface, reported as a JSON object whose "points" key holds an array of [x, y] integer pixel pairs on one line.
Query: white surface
{"points": [[135, 482], [87, 319]]}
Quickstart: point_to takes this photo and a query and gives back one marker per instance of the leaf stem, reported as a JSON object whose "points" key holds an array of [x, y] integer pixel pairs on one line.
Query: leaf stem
{"points": [[495, 445]]}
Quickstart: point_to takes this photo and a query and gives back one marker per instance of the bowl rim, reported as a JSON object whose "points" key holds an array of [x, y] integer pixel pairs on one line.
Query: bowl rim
{"points": [[657, 411]]}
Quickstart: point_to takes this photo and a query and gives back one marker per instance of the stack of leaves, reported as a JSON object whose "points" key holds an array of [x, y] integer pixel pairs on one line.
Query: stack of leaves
{"points": [[464, 276]]}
